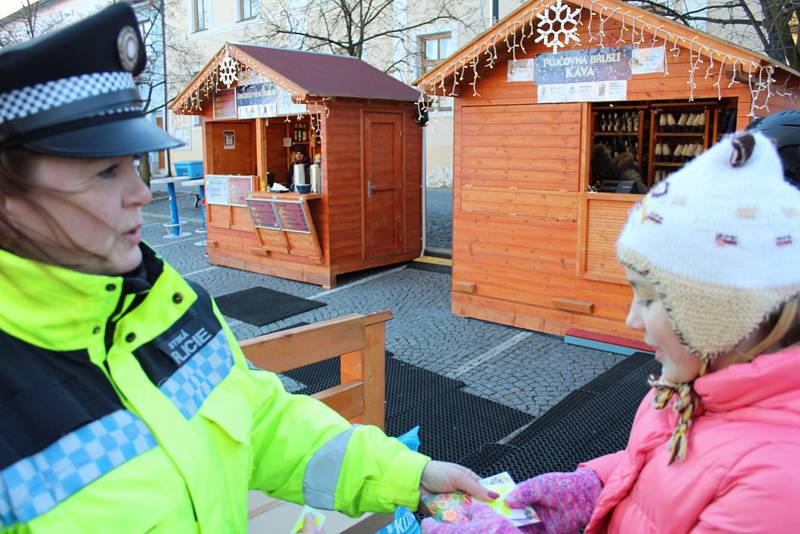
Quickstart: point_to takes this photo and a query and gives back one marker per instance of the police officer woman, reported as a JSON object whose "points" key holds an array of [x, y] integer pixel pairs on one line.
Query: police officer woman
{"points": [[126, 404]]}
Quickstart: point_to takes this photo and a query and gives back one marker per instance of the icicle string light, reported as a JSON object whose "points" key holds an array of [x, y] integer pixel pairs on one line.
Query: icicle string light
{"points": [[635, 32]]}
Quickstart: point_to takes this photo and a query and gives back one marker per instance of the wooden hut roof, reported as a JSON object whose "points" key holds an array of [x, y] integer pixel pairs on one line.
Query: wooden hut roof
{"points": [[307, 74], [613, 9]]}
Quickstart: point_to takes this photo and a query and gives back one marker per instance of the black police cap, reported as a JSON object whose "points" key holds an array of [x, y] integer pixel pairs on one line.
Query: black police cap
{"points": [[71, 93]]}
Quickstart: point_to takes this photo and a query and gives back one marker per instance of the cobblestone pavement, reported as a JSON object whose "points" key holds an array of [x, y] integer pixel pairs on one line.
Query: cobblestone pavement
{"points": [[521, 369], [439, 218]]}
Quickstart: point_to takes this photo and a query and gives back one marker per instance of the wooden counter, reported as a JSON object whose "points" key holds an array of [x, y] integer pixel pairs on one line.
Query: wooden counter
{"points": [[286, 196]]}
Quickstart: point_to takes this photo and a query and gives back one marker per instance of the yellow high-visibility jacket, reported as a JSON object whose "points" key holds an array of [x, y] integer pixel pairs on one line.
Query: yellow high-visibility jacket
{"points": [[126, 405]]}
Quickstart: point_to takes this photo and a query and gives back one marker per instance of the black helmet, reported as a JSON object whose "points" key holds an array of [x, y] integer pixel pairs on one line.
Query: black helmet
{"points": [[784, 128]]}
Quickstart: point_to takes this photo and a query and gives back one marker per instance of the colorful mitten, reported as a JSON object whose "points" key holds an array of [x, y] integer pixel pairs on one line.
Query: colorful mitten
{"points": [[481, 520], [564, 501]]}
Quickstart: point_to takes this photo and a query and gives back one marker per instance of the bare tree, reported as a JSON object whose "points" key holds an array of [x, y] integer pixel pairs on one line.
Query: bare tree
{"points": [[27, 23], [354, 27], [773, 23], [157, 85]]}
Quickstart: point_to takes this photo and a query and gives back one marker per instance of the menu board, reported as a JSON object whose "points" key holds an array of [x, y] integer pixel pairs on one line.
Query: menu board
{"points": [[274, 214], [292, 216], [217, 189], [239, 187], [262, 211], [225, 104], [228, 190]]}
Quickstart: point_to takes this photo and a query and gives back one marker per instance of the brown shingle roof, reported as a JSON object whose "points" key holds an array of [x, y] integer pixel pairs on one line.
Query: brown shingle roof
{"points": [[329, 75]]}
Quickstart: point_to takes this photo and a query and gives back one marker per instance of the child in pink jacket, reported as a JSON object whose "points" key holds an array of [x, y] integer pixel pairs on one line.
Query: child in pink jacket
{"points": [[713, 255]]}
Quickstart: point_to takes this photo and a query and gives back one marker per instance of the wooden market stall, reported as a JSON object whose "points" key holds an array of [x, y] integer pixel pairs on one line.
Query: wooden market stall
{"points": [[258, 104], [562, 111]]}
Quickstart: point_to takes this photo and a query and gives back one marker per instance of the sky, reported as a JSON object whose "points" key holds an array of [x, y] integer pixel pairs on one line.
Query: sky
{"points": [[9, 6]]}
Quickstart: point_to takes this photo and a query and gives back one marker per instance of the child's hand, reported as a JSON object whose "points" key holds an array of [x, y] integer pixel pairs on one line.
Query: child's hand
{"points": [[564, 501], [481, 520], [444, 477]]}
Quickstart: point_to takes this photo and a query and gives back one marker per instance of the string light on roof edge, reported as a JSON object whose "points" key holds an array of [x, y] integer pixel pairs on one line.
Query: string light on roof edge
{"points": [[670, 42]]}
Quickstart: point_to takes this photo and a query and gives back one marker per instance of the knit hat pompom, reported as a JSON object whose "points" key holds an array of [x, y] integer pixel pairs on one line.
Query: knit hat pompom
{"points": [[720, 241]]}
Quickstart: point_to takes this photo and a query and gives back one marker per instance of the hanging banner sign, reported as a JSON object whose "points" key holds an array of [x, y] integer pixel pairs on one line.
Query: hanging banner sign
{"points": [[593, 65], [520, 71], [648, 60], [607, 91], [286, 106], [256, 100]]}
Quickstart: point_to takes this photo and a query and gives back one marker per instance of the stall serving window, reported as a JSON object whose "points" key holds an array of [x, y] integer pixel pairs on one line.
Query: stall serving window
{"points": [[637, 145]]}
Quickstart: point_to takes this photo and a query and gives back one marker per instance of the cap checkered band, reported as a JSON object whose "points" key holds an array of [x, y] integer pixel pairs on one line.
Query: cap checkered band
{"points": [[36, 484], [21, 103], [189, 386]]}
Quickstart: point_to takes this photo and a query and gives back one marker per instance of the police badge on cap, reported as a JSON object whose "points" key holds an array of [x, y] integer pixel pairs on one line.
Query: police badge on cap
{"points": [[71, 93]]}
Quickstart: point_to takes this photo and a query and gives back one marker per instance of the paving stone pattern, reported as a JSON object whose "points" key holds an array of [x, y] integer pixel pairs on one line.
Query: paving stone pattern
{"points": [[439, 218], [531, 375]]}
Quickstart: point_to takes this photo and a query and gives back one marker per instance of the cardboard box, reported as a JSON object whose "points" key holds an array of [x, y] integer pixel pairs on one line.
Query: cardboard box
{"points": [[268, 515]]}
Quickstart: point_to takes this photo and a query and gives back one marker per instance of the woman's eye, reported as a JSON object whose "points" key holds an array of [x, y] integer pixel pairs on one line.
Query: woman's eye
{"points": [[645, 302], [109, 172]]}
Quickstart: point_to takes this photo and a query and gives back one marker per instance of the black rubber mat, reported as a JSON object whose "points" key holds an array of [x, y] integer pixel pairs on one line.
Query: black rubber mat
{"points": [[259, 306], [455, 424], [408, 386], [317, 376], [587, 425], [620, 370]]}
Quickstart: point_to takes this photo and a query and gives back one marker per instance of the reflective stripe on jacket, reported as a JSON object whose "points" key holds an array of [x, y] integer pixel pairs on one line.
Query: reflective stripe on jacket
{"points": [[127, 405]]}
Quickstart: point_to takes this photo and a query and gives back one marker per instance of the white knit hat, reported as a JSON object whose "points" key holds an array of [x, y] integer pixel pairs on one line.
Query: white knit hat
{"points": [[720, 241]]}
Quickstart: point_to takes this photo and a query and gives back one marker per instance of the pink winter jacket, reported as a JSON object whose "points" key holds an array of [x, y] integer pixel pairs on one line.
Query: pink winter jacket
{"points": [[742, 468]]}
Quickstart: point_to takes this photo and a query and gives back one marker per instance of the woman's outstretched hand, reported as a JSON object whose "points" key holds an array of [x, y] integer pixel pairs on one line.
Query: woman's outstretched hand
{"points": [[445, 477]]}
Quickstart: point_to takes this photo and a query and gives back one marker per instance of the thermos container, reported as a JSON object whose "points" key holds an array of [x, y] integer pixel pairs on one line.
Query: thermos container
{"points": [[299, 174], [316, 178]]}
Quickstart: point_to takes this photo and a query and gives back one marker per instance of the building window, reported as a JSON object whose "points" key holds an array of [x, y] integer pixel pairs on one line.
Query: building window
{"points": [[434, 49], [248, 9], [200, 14]]}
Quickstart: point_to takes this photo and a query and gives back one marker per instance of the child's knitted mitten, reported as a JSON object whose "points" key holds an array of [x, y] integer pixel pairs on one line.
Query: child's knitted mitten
{"points": [[564, 501], [482, 520]]}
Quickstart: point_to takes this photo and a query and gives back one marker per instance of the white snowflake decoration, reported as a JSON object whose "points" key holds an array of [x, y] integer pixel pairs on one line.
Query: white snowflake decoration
{"points": [[227, 71], [558, 25]]}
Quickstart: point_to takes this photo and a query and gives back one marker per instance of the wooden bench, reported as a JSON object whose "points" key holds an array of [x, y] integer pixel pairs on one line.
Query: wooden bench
{"points": [[359, 397]]}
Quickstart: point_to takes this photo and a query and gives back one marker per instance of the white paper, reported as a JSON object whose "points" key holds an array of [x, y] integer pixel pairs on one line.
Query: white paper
{"points": [[606, 91], [217, 189], [521, 71], [647, 60]]}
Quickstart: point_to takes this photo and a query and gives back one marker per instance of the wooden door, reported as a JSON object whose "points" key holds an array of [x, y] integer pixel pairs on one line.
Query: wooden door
{"points": [[383, 184]]}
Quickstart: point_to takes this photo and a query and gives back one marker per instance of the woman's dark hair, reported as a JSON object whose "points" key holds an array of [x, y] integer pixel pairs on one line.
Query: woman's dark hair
{"points": [[16, 181], [301, 149]]}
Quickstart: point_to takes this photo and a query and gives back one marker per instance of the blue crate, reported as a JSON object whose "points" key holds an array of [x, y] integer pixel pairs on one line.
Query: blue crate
{"points": [[192, 169]]}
